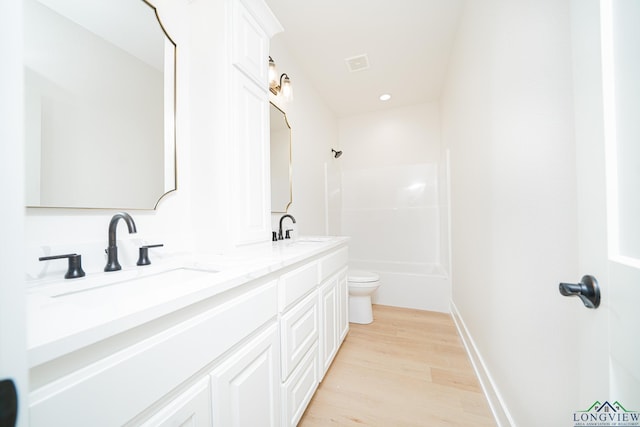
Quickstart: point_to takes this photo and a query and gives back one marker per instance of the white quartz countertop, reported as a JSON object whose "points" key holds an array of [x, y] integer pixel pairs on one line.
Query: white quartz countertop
{"points": [[66, 315]]}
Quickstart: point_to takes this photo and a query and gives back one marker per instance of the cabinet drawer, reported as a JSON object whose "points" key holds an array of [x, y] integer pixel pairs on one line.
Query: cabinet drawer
{"points": [[192, 406], [296, 284], [298, 390], [333, 262], [298, 332], [135, 377]]}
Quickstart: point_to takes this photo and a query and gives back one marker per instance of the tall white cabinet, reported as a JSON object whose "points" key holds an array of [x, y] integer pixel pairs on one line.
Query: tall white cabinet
{"points": [[251, 27]]}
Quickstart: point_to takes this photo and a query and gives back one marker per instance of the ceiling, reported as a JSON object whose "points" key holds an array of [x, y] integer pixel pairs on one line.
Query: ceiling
{"points": [[407, 43]]}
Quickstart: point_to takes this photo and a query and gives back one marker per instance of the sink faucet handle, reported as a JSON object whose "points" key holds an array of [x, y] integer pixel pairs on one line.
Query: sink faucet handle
{"points": [[143, 258], [286, 235], [74, 269]]}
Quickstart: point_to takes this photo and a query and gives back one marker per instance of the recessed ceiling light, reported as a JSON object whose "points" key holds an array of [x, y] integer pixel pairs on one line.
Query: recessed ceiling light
{"points": [[385, 97]]}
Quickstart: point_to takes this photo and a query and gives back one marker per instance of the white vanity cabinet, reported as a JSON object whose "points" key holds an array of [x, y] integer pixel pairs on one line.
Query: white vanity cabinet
{"points": [[250, 353]]}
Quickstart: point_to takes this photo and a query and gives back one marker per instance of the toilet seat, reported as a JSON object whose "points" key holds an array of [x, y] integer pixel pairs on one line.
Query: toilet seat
{"points": [[359, 276]]}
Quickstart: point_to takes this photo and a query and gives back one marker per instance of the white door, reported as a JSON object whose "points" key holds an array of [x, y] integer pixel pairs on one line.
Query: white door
{"points": [[606, 42], [12, 323], [621, 80]]}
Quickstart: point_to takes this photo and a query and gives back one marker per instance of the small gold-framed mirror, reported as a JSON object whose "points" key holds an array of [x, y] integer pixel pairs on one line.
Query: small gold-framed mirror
{"points": [[281, 168]]}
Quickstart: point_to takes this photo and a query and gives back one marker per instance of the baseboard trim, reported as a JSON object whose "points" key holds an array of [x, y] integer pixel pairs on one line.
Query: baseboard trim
{"points": [[496, 403]]}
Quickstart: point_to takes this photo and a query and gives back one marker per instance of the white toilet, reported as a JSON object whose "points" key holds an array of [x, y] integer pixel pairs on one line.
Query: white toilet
{"points": [[362, 284]]}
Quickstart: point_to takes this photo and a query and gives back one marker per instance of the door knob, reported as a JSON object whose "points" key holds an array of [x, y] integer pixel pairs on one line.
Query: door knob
{"points": [[8, 403], [588, 291]]}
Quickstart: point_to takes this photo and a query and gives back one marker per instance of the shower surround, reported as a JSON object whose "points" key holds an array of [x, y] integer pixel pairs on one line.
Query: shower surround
{"points": [[392, 214]]}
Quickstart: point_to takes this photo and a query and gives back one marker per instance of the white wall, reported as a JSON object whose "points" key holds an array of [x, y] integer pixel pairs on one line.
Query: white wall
{"points": [[507, 121], [391, 203], [314, 131]]}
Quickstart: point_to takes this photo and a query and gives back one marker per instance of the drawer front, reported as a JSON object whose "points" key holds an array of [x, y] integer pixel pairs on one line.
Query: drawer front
{"points": [[134, 378], [192, 406], [296, 284], [298, 332], [298, 390], [331, 263]]}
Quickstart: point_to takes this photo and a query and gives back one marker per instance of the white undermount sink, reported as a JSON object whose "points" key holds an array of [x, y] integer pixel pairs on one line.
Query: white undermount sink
{"points": [[133, 279], [314, 239], [68, 314]]}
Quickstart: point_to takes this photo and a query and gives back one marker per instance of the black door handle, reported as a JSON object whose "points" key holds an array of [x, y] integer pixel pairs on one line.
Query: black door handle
{"points": [[588, 290], [8, 403]]}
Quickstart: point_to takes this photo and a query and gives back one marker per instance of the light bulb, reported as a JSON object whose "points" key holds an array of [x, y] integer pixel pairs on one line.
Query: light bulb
{"points": [[273, 74], [286, 89]]}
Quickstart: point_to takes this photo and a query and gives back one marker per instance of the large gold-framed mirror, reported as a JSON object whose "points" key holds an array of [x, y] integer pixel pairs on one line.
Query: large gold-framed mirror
{"points": [[281, 170], [99, 104]]}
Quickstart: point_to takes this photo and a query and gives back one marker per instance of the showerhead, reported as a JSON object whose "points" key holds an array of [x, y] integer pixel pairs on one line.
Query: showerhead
{"points": [[336, 154]]}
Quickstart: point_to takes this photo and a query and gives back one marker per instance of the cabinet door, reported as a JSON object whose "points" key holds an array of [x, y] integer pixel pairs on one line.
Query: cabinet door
{"points": [[191, 409], [343, 306], [250, 45], [298, 333], [246, 387], [251, 184], [298, 390], [329, 329]]}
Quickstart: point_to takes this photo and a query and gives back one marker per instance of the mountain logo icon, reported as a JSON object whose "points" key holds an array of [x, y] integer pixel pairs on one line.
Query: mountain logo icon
{"points": [[606, 414]]}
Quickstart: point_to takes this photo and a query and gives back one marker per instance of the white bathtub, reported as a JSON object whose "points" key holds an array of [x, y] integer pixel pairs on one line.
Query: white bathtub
{"points": [[412, 285]]}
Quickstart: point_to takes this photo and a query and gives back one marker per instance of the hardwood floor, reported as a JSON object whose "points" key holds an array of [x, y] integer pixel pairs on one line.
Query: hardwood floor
{"points": [[407, 368]]}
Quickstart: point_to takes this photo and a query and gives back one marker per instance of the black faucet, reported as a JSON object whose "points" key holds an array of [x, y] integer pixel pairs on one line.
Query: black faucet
{"points": [[280, 229], [112, 250]]}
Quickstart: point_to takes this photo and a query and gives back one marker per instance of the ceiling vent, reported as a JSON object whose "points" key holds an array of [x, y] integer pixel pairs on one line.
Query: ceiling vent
{"points": [[357, 63]]}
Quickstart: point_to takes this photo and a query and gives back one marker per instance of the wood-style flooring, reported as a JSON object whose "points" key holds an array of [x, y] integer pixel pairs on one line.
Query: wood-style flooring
{"points": [[407, 368]]}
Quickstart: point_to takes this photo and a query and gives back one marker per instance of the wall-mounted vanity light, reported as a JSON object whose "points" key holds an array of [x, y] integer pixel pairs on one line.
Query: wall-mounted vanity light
{"points": [[280, 85], [336, 154]]}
